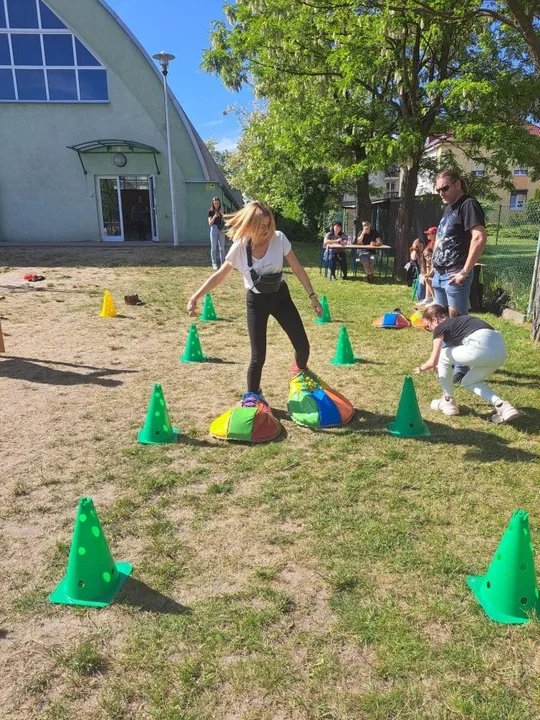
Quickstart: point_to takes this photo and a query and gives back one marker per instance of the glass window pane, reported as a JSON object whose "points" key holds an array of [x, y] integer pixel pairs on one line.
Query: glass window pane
{"points": [[93, 85], [48, 19], [58, 50], [31, 84], [7, 90], [2, 16], [62, 84], [22, 14], [26, 49], [5, 58], [84, 56]]}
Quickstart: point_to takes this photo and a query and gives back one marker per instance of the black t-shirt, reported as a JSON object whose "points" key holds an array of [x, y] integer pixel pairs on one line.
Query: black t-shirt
{"points": [[218, 217], [369, 237], [454, 232], [332, 237], [454, 330]]}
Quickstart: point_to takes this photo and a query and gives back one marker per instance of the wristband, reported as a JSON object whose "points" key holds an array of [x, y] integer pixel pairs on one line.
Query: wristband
{"points": [[464, 272], [313, 294]]}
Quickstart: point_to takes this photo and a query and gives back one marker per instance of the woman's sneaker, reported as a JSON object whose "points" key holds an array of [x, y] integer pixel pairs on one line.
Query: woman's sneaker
{"points": [[251, 399], [445, 405], [504, 413]]}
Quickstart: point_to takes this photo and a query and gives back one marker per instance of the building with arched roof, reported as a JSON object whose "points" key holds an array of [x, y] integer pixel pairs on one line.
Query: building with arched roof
{"points": [[82, 133]]}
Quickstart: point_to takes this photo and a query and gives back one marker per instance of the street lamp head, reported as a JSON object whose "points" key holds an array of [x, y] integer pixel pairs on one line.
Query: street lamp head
{"points": [[164, 60]]}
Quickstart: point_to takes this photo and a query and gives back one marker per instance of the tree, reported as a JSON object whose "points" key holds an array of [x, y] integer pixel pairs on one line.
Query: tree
{"points": [[411, 66]]}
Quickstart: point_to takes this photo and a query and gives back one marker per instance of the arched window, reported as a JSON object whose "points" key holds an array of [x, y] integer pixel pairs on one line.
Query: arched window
{"points": [[41, 60]]}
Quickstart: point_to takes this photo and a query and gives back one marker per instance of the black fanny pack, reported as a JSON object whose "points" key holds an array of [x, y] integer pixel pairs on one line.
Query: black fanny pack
{"points": [[265, 284]]}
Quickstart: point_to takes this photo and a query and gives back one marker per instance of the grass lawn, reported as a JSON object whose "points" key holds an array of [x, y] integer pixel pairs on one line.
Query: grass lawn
{"points": [[319, 577]]}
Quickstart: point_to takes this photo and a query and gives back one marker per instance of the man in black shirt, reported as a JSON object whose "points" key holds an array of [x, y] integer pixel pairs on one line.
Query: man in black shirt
{"points": [[368, 236], [461, 238]]}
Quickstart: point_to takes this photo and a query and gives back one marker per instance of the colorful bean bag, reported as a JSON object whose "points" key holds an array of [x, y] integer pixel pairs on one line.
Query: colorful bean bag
{"points": [[394, 320], [312, 403], [251, 421]]}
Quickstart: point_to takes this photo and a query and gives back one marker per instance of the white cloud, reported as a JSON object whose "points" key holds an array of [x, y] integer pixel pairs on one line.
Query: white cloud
{"points": [[227, 143], [213, 122]]}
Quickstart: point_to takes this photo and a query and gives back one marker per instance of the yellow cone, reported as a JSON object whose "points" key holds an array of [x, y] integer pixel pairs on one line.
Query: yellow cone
{"points": [[108, 309]]}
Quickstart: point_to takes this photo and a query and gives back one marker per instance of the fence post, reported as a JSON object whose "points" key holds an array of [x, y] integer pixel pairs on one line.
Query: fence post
{"points": [[534, 289], [498, 225]]}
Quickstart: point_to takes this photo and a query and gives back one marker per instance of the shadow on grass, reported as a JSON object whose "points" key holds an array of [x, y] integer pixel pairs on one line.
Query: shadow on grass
{"points": [[186, 440], [139, 595], [484, 446], [220, 361], [34, 370], [518, 379]]}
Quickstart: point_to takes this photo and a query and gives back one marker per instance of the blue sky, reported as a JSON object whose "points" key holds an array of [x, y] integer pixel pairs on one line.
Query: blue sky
{"points": [[182, 27]]}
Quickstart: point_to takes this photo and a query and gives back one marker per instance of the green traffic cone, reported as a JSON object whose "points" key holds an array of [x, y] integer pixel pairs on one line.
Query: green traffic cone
{"points": [[157, 428], [208, 312], [508, 592], [408, 421], [344, 352], [193, 351], [92, 577], [325, 318]]}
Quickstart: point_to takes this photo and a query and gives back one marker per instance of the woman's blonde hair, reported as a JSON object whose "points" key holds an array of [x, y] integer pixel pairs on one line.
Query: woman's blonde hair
{"points": [[247, 223]]}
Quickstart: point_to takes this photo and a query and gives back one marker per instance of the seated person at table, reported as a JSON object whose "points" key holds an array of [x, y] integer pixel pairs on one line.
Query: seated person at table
{"points": [[336, 236], [368, 236]]}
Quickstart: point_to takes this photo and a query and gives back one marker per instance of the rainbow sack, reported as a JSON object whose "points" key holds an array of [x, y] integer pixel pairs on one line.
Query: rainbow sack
{"points": [[254, 424], [312, 403], [394, 320]]}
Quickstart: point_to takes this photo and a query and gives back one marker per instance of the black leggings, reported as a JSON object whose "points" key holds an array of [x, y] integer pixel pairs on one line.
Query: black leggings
{"points": [[339, 257], [259, 309]]}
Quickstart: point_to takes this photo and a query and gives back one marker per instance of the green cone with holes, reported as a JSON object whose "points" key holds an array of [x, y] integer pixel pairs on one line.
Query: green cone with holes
{"points": [[92, 577], [157, 428], [509, 590], [193, 350], [408, 421]]}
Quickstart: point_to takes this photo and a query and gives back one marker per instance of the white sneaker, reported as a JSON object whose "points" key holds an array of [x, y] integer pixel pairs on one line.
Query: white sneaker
{"points": [[445, 405], [214, 267], [504, 413]]}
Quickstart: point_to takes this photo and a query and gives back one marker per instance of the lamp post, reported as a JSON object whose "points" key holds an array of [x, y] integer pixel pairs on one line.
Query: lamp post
{"points": [[164, 60]]}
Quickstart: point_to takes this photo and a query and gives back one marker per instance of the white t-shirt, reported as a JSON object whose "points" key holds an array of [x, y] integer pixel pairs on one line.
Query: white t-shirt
{"points": [[272, 262]]}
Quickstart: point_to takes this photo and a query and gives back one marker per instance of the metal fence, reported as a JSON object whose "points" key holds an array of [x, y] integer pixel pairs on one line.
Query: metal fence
{"points": [[510, 252]]}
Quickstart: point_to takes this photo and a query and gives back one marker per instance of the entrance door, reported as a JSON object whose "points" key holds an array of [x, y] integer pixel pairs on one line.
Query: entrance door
{"points": [[110, 209], [153, 208]]}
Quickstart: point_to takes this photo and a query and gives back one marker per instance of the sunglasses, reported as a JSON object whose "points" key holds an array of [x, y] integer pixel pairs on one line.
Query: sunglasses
{"points": [[444, 188]]}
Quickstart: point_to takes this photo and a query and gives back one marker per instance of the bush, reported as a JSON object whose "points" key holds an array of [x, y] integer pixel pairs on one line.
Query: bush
{"points": [[294, 230]]}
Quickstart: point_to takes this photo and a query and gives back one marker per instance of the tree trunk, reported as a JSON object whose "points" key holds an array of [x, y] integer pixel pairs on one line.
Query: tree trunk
{"points": [[535, 331], [363, 202], [405, 215]]}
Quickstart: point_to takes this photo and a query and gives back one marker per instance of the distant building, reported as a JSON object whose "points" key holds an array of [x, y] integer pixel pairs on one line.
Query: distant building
{"points": [[524, 188], [82, 132]]}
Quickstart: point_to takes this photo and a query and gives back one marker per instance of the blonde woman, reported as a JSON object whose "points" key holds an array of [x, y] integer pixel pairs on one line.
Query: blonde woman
{"points": [[258, 252]]}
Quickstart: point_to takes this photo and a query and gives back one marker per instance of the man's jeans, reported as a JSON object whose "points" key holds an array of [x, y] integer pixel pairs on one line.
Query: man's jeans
{"points": [[454, 295]]}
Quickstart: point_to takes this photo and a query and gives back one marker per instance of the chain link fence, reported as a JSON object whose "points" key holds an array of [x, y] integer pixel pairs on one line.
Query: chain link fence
{"points": [[510, 253]]}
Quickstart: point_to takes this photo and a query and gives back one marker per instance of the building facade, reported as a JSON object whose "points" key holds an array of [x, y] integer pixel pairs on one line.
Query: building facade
{"points": [[83, 146]]}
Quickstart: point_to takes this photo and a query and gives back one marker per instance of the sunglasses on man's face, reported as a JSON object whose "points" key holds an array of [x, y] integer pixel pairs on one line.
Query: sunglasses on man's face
{"points": [[444, 188]]}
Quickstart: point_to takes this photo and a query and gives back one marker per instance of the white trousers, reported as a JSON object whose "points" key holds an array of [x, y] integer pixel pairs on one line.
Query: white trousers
{"points": [[483, 351]]}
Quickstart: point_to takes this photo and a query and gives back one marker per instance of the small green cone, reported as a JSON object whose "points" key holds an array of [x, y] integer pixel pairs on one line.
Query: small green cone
{"points": [[344, 352], [157, 428], [325, 318], [408, 421], [92, 577], [208, 312], [193, 351], [508, 592]]}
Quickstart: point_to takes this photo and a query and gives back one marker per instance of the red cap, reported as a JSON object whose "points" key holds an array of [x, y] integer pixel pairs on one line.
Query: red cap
{"points": [[430, 230]]}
